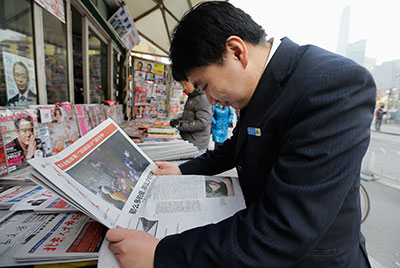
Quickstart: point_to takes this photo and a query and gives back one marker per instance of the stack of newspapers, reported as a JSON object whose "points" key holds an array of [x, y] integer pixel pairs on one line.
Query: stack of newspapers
{"points": [[104, 180], [170, 150]]}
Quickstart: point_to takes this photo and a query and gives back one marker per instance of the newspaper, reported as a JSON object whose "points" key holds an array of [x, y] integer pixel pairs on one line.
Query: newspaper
{"points": [[22, 228], [171, 150], [16, 194], [44, 201], [14, 230], [67, 236], [18, 177], [106, 176]]}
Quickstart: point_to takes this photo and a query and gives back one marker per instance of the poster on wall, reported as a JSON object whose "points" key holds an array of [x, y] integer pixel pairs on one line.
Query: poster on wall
{"points": [[20, 80], [158, 69], [122, 23], [55, 7]]}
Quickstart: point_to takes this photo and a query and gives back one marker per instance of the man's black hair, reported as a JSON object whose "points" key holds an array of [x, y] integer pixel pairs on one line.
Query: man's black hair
{"points": [[26, 117], [199, 38], [20, 63]]}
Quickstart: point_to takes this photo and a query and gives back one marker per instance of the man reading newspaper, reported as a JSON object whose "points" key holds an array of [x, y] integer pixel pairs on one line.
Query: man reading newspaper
{"points": [[305, 116]]}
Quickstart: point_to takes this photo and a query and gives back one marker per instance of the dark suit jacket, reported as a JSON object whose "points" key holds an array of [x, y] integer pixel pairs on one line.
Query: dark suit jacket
{"points": [[14, 101], [300, 178]]}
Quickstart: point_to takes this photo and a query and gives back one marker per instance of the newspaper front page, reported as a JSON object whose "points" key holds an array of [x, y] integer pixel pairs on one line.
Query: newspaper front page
{"points": [[108, 177], [68, 236]]}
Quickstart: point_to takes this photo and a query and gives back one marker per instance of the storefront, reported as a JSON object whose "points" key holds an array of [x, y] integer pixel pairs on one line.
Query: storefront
{"points": [[63, 53]]}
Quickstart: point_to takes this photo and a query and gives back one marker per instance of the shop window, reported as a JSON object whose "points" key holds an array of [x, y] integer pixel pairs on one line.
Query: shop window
{"points": [[97, 69], [55, 50], [17, 65], [102, 7], [77, 55]]}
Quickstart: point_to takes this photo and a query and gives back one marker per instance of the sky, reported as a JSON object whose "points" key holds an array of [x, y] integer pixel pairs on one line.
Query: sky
{"points": [[317, 22]]}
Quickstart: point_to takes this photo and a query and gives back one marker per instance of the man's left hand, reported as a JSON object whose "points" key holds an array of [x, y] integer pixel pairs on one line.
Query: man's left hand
{"points": [[132, 248]]}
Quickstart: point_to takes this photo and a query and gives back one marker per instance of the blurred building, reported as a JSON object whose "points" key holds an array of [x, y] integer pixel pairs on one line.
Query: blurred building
{"points": [[343, 38], [356, 51]]}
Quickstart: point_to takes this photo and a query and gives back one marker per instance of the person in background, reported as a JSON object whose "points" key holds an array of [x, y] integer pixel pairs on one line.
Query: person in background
{"points": [[379, 117], [195, 123], [222, 119], [305, 123]]}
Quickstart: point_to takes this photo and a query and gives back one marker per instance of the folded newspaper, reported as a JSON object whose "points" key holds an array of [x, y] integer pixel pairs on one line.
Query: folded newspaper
{"points": [[108, 177]]}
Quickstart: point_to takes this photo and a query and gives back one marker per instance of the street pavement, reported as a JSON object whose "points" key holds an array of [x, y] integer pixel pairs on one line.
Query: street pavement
{"points": [[390, 128], [381, 228]]}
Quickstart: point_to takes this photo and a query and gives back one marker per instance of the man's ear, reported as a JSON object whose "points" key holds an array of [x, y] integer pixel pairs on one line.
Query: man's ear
{"points": [[237, 49]]}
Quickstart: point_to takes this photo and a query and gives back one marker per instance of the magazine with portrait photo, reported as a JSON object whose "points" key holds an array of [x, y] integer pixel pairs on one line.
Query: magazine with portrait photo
{"points": [[20, 80], [21, 136]]}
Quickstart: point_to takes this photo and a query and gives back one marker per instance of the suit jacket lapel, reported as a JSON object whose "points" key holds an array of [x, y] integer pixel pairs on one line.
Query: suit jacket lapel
{"points": [[268, 88]]}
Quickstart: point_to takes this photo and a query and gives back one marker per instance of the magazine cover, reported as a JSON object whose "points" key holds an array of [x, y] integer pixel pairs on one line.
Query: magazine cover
{"points": [[63, 131], [92, 116], [69, 118], [45, 113], [21, 136], [3, 159], [83, 119], [114, 112], [45, 140], [100, 112], [20, 80]]}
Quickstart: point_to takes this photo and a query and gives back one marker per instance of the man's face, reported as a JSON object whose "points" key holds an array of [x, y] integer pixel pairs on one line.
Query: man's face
{"points": [[21, 78], [223, 83], [25, 131]]}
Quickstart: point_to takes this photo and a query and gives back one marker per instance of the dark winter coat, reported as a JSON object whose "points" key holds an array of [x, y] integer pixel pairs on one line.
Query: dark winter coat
{"points": [[195, 122]]}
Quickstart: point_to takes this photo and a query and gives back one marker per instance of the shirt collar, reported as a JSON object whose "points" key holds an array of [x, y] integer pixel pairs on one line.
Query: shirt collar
{"points": [[275, 44]]}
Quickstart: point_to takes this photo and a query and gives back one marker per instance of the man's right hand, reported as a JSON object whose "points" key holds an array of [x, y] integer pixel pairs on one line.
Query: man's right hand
{"points": [[166, 168]]}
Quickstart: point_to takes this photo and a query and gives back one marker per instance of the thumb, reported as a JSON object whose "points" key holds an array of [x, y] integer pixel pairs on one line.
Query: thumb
{"points": [[116, 235], [162, 165]]}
